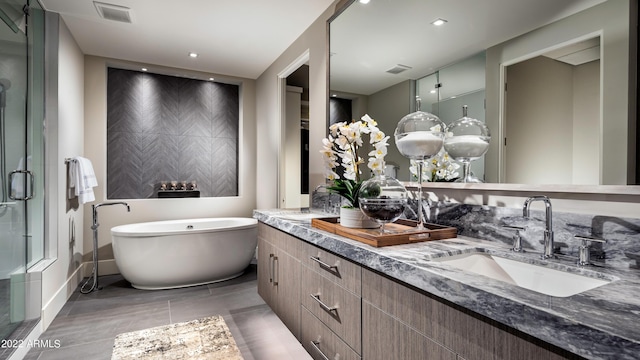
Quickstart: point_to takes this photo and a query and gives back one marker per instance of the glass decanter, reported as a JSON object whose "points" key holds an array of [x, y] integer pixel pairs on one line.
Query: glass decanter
{"points": [[419, 136], [382, 198], [467, 139]]}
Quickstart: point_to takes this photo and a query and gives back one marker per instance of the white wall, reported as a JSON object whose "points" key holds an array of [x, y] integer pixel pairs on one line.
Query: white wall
{"points": [[314, 39], [59, 280], [95, 137]]}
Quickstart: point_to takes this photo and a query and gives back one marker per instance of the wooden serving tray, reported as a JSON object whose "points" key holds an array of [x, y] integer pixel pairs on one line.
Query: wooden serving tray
{"points": [[396, 233]]}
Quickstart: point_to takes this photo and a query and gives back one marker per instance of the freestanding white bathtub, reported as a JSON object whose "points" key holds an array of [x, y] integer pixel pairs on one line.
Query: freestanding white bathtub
{"points": [[180, 253]]}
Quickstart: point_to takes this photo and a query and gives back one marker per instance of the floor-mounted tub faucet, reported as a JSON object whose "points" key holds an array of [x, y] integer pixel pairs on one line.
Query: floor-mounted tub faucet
{"points": [[548, 233], [94, 227], [94, 209]]}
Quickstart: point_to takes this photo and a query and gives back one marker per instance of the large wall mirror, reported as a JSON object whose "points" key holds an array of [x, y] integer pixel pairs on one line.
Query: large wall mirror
{"points": [[555, 81]]}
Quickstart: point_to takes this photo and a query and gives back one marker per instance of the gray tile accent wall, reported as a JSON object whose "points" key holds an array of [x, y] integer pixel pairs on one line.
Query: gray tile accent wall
{"points": [[163, 128]]}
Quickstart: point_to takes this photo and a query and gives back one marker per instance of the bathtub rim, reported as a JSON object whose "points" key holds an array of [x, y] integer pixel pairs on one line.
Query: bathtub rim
{"points": [[246, 223]]}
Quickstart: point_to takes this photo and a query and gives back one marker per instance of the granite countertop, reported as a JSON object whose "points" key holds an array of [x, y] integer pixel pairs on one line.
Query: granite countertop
{"points": [[601, 323]]}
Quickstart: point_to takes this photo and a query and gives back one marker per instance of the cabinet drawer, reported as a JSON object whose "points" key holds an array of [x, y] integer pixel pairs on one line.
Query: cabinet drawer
{"points": [[398, 341], [321, 343], [336, 307], [342, 272], [283, 241]]}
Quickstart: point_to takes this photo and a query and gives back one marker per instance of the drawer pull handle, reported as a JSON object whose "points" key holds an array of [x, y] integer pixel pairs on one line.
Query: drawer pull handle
{"points": [[324, 306], [332, 268], [316, 345], [276, 271], [271, 268]]}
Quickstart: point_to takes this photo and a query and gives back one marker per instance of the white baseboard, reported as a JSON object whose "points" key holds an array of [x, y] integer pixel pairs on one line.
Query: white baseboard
{"points": [[105, 267], [22, 351], [53, 307]]}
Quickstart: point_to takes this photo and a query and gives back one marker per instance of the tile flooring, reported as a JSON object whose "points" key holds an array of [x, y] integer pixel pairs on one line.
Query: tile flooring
{"points": [[87, 325]]}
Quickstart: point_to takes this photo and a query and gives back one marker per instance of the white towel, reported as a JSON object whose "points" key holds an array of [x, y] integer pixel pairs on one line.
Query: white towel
{"points": [[82, 180], [18, 181]]}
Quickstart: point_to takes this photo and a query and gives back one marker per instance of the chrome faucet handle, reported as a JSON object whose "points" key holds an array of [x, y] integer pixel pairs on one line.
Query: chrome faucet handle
{"points": [[586, 241], [517, 240]]}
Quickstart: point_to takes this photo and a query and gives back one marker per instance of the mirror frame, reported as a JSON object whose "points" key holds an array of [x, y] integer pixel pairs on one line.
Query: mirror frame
{"points": [[623, 193]]}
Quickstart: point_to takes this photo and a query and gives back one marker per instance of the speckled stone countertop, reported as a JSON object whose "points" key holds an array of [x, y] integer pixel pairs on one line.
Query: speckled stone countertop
{"points": [[602, 323]]}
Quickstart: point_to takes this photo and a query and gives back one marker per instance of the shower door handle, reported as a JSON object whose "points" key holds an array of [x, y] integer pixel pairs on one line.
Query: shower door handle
{"points": [[26, 196]]}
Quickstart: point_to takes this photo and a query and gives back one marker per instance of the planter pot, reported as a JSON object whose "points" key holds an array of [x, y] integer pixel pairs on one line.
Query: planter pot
{"points": [[354, 218]]}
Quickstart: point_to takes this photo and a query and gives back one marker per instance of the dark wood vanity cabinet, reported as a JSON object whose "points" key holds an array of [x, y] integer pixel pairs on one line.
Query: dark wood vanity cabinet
{"points": [[343, 310], [279, 275], [330, 296], [419, 326]]}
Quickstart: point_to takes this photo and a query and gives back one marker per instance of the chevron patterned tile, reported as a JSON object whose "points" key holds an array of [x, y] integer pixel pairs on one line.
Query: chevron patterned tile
{"points": [[225, 167], [195, 109], [196, 162], [164, 128], [124, 101], [123, 165], [151, 104], [161, 158], [226, 113]]}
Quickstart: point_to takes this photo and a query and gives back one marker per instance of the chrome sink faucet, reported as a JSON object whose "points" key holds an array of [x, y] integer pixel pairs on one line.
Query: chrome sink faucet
{"points": [[548, 233]]}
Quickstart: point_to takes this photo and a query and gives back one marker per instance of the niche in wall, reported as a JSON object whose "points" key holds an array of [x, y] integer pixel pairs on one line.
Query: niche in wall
{"points": [[164, 128], [339, 110]]}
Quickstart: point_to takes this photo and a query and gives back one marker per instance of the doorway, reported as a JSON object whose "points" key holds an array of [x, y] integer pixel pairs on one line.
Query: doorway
{"points": [[552, 117], [294, 153]]}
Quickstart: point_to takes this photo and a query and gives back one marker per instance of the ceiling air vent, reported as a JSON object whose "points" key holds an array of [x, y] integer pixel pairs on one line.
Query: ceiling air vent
{"points": [[113, 12], [398, 69]]}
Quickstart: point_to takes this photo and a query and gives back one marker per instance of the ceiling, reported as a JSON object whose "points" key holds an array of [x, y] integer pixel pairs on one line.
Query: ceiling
{"points": [[368, 40], [240, 38]]}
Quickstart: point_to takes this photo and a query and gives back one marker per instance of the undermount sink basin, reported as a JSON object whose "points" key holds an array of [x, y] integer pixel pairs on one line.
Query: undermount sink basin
{"points": [[529, 276]]}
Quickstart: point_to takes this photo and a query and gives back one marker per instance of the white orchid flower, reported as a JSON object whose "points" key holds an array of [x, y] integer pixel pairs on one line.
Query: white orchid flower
{"points": [[376, 165], [377, 136], [331, 175], [380, 150], [368, 120], [342, 142], [330, 162], [335, 127], [327, 146], [345, 129], [353, 133], [350, 173]]}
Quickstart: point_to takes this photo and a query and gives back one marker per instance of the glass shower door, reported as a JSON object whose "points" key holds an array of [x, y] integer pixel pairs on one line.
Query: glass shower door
{"points": [[14, 163]]}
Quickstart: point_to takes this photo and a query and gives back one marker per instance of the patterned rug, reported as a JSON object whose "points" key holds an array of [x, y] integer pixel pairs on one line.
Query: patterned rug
{"points": [[208, 338]]}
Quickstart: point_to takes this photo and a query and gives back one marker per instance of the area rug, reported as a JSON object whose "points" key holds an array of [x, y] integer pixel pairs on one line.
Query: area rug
{"points": [[208, 338]]}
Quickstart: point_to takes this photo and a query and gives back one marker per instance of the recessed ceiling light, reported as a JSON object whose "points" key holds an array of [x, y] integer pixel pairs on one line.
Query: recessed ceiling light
{"points": [[144, 69], [438, 22], [210, 79], [432, 91], [364, 1], [193, 55]]}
